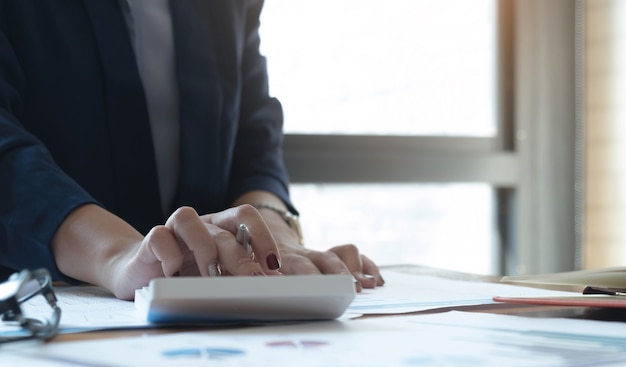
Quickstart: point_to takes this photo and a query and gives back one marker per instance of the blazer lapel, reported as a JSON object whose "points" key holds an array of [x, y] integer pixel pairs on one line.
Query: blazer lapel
{"points": [[128, 122]]}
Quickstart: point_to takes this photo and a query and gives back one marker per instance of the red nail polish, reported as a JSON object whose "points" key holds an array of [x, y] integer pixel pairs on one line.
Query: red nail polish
{"points": [[272, 262]]}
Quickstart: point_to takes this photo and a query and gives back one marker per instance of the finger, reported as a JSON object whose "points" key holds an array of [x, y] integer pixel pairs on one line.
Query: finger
{"points": [[315, 262], [191, 233], [295, 264], [351, 257], [160, 245], [328, 263], [370, 268], [233, 258], [261, 239]]}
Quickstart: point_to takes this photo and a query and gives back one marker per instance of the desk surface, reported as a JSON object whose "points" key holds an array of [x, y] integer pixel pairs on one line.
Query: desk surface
{"points": [[509, 309]]}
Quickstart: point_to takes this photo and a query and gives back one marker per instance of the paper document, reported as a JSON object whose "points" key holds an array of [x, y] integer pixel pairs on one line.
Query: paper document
{"points": [[404, 293], [444, 339], [87, 308]]}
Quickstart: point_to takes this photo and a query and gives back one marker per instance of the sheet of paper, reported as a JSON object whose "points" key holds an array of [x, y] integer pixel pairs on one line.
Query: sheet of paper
{"points": [[83, 308], [404, 293], [87, 308], [444, 339]]}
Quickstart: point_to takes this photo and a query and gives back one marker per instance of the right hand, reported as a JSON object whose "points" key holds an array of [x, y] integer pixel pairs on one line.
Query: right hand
{"points": [[97, 247], [189, 246]]}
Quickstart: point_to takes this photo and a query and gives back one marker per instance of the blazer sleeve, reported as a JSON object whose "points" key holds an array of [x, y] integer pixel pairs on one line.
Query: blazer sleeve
{"points": [[258, 157], [35, 194]]}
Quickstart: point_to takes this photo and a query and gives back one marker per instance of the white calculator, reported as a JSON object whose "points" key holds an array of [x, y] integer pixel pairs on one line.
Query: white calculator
{"points": [[236, 299]]}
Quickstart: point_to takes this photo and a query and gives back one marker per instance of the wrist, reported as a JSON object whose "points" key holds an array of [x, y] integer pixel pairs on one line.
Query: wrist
{"points": [[290, 219], [90, 243]]}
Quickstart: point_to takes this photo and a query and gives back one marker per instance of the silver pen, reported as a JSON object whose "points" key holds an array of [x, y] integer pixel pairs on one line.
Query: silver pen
{"points": [[243, 237]]}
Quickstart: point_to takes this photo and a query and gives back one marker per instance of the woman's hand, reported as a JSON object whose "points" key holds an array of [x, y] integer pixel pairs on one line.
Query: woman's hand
{"points": [[297, 259], [266, 253], [343, 259], [97, 247], [190, 245]]}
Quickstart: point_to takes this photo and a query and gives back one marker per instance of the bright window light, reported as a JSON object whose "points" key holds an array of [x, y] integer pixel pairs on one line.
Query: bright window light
{"points": [[417, 67]]}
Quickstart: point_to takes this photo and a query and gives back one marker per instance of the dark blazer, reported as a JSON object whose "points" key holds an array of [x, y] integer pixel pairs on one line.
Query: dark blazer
{"points": [[74, 125]]}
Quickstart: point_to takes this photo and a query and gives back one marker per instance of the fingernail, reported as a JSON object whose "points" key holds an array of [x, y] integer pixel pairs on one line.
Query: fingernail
{"points": [[272, 262], [358, 286], [257, 274]]}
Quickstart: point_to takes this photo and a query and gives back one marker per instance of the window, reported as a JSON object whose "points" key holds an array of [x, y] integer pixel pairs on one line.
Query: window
{"points": [[442, 225], [425, 130], [417, 67], [405, 68]]}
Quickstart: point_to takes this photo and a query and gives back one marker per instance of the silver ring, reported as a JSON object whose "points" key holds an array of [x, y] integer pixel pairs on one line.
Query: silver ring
{"points": [[214, 270]]}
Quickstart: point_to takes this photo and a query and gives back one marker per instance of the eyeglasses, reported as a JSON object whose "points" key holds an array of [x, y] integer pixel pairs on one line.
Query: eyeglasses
{"points": [[21, 287]]}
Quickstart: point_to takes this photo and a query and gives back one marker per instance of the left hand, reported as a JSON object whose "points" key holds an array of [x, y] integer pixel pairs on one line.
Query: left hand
{"points": [[343, 259], [297, 259]]}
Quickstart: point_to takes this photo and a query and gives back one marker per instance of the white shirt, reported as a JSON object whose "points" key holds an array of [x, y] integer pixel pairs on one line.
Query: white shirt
{"points": [[151, 31]]}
